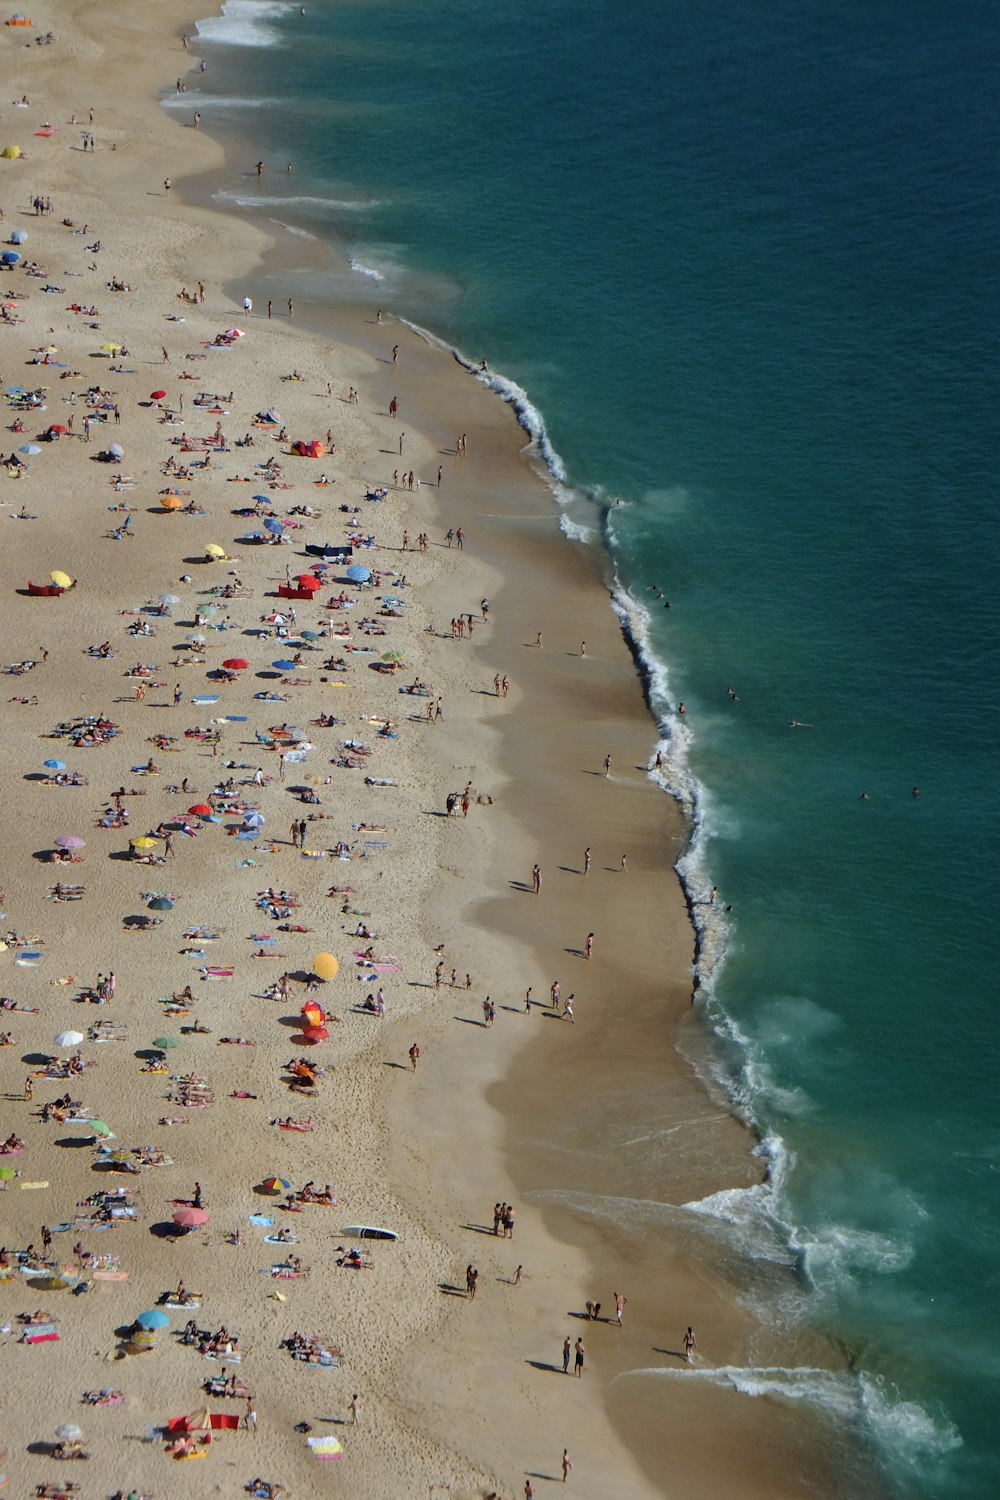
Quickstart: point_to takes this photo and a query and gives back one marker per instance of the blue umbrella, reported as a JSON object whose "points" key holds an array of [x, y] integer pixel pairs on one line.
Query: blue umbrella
{"points": [[264, 499], [30, 449], [253, 820], [10, 257], [273, 525], [357, 574], [284, 666], [18, 236], [153, 1319], [54, 765]]}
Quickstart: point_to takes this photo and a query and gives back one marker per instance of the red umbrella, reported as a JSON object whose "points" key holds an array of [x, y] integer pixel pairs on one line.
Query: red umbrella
{"points": [[200, 810], [314, 1034], [235, 664], [157, 395], [56, 427], [190, 1218], [309, 581]]}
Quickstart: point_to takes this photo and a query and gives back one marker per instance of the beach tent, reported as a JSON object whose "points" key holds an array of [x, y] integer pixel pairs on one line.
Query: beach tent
{"points": [[312, 449]]}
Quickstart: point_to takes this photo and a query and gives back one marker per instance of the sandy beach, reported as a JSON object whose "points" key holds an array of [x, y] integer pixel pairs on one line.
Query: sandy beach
{"points": [[324, 787]]}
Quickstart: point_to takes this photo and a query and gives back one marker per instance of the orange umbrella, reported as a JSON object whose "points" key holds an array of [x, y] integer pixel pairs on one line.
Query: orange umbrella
{"points": [[172, 502]]}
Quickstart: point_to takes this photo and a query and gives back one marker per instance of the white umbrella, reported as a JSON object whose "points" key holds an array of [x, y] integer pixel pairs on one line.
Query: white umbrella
{"points": [[168, 599], [69, 1039], [69, 1432]]}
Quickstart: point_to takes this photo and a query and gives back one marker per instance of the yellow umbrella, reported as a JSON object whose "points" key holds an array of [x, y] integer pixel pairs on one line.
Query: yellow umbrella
{"points": [[172, 502], [10, 153], [143, 843], [61, 580], [326, 966], [214, 550], [111, 348]]}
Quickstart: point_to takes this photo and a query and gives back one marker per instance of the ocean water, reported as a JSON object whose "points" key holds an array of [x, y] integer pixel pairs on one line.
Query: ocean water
{"points": [[739, 267]]}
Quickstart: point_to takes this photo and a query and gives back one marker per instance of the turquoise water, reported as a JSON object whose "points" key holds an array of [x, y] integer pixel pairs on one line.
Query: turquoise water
{"points": [[744, 261]]}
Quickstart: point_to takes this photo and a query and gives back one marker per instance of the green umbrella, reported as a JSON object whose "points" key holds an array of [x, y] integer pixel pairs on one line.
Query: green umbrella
{"points": [[7, 1174], [166, 1043], [98, 1127]]}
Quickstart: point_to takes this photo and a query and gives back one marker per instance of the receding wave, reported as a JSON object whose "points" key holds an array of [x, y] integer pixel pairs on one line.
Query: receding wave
{"points": [[903, 1430], [245, 23], [246, 199]]}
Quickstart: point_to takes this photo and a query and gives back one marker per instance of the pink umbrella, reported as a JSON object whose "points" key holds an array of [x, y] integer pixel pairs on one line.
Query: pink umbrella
{"points": [[69, 841], [190, 1218]]}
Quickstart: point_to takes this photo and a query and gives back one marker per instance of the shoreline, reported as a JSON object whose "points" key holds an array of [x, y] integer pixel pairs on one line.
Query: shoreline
{"points": [[500, 910]]}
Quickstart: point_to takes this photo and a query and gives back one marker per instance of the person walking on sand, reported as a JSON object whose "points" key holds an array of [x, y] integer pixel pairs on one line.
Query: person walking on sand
{"points": [[529, 1490], [620, 1302], [567, 1464], [690, 1344], [567, 1354], [414, 1056], [590, 944], [250, 1416], [354, 1407], [580, 1354], [607, 766], [536, 879]]}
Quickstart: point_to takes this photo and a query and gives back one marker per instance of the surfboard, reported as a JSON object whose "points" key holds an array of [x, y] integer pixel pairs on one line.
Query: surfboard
{"points": [[369, 1232]]}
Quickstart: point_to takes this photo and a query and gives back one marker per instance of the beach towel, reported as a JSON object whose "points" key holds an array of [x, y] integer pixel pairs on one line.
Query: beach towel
{"points": [[325, 1447], [215, 971], [262, 1221], [42, 1333]]}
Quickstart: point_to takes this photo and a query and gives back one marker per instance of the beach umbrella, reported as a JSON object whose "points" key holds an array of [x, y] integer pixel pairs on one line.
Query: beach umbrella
{"points": [[213, 550], [56, 427], [10, 258], [10, 153], [157, 395], [69, 841], [98, 1127], [110, 348], [200, 810], [309, 581], [166, 1043], [153, 1319], [30, 449], [273, 525], [197, 640], [393, 656], [253, 820], [54, 765], [171, 502], [68, 1039], [18, 236], [357, 574], [168, 599], [284, 665], [235, 664], [314, 1033], [68, 1273], [69, 1432], [315, 1014], [7, 1174], [190, 1218], [116, 450], [60, 579], [160, 903], [310, 635], [325, 966], [276, 1185], [143, 843]]}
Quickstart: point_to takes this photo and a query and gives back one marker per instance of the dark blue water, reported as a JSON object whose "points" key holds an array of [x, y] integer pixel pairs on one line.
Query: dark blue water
{"points": [[745, 263]]}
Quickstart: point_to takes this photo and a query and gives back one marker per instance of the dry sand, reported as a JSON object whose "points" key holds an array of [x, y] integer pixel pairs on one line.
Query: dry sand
{"points": [[535, 1111]]}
